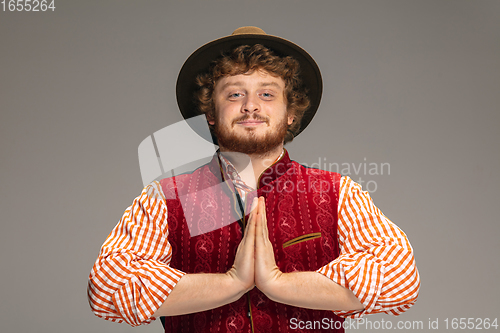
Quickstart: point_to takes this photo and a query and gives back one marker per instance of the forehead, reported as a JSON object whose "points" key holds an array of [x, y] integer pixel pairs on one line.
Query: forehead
{"points": [[257, 78]]}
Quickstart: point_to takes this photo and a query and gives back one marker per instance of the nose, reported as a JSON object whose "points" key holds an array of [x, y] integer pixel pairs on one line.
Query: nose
{"points": [[251, 104]]}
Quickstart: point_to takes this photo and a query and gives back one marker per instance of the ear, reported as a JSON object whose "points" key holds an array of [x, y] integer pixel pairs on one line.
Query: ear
{"points": [[210, 118], [291, 118]]}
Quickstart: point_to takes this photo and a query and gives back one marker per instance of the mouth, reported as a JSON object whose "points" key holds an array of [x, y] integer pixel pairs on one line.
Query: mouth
{"points": [[250, 122]]}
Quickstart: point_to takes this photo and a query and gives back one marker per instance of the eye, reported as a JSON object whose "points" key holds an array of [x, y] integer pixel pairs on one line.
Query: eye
{"points": [[267, 95], [234, 95]]}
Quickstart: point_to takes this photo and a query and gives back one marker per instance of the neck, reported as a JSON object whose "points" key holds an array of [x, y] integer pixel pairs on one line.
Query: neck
{"points": [[250, 167]]}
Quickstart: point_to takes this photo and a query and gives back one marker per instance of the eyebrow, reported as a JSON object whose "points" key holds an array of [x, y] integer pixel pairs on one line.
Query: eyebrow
{"points": [[241, 83], [274, 84]]}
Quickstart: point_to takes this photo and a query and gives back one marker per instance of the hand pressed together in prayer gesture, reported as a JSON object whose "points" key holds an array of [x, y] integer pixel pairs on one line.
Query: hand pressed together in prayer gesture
{"points": [[254, 264], [266, 271], [243, 267]]}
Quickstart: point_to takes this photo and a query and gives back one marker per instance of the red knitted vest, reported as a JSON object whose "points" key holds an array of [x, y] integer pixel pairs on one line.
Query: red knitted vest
{"points": [[301, 209]]}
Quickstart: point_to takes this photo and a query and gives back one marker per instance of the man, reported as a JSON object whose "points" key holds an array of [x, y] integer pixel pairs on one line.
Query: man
{"points": [[308, 247]]}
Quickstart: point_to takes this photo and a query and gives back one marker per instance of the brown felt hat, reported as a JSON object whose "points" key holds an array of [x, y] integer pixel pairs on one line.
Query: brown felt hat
{"points": [[200, 60]]}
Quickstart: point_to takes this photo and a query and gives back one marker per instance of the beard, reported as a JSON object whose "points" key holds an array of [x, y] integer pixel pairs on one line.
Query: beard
{"points": [[250, 143]]}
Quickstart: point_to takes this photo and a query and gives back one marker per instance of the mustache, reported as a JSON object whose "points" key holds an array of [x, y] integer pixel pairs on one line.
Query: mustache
{"points": [[249, 117]]}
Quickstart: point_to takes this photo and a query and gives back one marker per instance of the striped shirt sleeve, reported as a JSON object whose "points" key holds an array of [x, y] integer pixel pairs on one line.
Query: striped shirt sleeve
{"points": [[376, 260], [131, 277]]}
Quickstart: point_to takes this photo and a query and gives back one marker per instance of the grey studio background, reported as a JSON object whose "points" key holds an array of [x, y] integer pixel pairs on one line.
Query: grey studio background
{"points": [[412, 84]]}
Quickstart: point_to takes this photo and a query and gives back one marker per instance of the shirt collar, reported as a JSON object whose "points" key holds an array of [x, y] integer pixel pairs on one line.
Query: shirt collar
{"points": [[279, 166]]}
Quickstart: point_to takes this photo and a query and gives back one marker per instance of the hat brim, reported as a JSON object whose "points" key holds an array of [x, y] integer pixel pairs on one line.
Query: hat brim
{"points": [[200, 61]]}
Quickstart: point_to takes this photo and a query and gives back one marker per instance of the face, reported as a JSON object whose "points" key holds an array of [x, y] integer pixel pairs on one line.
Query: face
{"points": [[250, 112]]}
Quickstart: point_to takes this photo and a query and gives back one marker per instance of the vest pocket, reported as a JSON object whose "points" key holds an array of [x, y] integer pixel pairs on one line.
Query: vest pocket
{"points": [[302, 238]]}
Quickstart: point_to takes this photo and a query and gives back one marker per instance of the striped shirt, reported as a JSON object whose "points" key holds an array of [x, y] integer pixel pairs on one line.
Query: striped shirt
{"points": [[132, 276]]}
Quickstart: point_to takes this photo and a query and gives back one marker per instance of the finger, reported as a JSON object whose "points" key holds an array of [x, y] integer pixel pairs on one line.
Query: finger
{"points": [[263, 218], [247, 230], [259, 228], [250, 228], [253, 212], [255, 201], [262, 214]]}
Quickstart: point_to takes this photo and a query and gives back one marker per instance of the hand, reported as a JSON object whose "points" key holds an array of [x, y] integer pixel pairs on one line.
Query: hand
{"points": [[267, 272], [243, 268]]}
